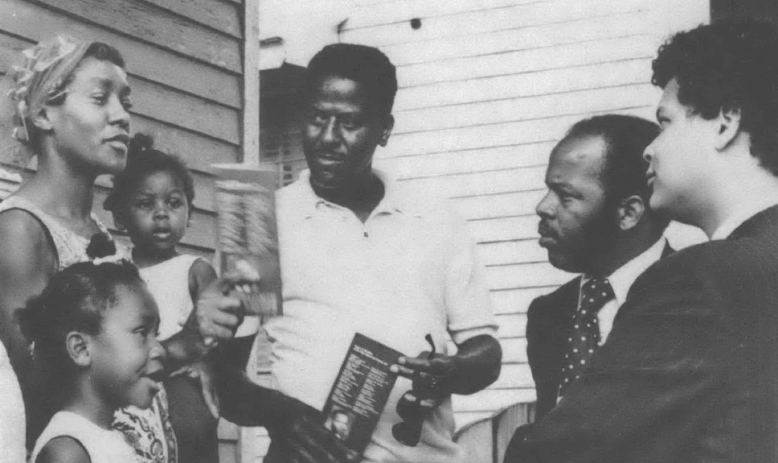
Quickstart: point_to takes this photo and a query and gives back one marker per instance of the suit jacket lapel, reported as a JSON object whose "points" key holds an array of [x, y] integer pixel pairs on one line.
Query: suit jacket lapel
{"points": [[566, 304]]}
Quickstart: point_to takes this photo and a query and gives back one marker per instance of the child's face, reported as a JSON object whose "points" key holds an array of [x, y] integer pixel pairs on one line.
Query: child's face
{"points": [[158, 213], [127, 359]]}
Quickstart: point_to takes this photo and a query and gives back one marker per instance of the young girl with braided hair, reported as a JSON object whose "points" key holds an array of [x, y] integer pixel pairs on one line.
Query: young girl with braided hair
{"points": [[94, 329]]}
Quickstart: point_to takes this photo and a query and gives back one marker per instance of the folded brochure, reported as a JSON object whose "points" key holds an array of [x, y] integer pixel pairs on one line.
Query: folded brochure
{"points": [[360, 393], [247, 239]]}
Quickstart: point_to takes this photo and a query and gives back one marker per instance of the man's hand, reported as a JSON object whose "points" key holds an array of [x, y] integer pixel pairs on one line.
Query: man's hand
{"points": [[299, 436], [433, 379], [296, 429], [221, 308], [310, 442]]}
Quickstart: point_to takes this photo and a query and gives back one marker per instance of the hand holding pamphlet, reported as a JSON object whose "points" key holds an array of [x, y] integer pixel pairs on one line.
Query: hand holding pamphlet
{"points": [[247, 237], [360, 393]]}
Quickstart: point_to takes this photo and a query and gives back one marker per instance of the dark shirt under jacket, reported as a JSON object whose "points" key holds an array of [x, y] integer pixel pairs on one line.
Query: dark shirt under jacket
{"points": [[689, 372]]}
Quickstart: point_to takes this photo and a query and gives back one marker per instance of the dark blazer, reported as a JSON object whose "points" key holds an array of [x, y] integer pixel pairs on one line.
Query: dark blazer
{"points": [[690, 370], [548, 320]]}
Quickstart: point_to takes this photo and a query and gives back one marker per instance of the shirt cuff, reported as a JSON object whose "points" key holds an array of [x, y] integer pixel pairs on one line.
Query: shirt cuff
{"points": [[463, 335]]}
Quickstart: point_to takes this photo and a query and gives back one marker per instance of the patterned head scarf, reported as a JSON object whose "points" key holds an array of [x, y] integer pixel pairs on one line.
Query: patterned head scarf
{"points": [[29, 85]]}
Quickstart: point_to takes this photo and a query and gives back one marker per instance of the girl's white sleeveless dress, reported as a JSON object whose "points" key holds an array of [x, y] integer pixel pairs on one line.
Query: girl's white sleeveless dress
{"points": [[102, 445]]}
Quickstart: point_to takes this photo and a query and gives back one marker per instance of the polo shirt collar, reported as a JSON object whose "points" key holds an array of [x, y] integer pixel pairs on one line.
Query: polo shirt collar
{"points": [[391, 202]]}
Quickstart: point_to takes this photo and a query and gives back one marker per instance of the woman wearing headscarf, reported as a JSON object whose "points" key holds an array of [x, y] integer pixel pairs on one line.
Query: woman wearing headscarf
{"points": [[68, 104]]}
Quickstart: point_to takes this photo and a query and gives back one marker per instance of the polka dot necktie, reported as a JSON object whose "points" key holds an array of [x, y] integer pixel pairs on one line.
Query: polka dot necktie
{"points": [[584, 336]]}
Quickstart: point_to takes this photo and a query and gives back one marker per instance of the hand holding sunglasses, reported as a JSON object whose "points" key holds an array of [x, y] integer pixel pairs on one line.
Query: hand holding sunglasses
{"points": [[430, 374]]}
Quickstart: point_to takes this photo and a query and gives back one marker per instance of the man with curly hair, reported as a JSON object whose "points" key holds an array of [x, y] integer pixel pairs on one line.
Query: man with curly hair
{"points": [[690, 370]]}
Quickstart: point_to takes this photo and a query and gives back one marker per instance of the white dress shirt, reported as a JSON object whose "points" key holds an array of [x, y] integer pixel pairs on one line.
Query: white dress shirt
{"points": [[621, 280]]}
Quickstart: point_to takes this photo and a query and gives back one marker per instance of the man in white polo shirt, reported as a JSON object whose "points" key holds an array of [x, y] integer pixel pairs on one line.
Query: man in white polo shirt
{"points": [[360, 254]]}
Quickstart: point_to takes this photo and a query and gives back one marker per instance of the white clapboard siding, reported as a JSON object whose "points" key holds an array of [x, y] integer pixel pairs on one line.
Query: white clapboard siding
{"points": [[515, 350], [458, 162], [498, 205], [403, 10], [517, 250], [532, 60], [529, 274], [523, 108], [511, 325], [517, 300], [483, 22], [483, 182], [520, 38], [370, 2], [502, 229], [514, 376], [597, 75], [492, 135]]}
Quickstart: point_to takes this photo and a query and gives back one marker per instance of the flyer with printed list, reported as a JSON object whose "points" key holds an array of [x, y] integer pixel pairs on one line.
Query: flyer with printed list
{"points": [[360, 393]]}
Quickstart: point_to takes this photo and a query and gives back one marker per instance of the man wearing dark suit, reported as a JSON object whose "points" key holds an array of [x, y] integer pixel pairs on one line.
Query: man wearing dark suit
{"points": [[594, 220], [690, 370]]}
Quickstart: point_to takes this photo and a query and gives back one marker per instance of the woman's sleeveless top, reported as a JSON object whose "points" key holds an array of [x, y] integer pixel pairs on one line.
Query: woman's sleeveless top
{"points": [[70, 247]]}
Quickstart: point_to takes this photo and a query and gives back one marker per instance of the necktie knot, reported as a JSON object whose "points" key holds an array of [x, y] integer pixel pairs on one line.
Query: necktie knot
{"points": [[595, 293]]}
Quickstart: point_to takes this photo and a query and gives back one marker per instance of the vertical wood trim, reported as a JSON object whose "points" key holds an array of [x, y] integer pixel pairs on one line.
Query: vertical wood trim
{"points": [[246, 451], [251, 82]]}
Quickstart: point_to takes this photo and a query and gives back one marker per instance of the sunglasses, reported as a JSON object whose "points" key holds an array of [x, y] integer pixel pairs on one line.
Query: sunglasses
{"points": [[408, 432]]}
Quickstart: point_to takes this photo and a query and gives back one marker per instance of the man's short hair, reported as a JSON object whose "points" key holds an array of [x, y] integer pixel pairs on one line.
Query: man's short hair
{"points": [[626, 137], [360, 63], [724, 66]]}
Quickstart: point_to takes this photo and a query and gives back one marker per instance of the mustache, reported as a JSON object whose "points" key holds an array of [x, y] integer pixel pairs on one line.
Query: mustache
{"points": [[545, 230], [328, 154]]}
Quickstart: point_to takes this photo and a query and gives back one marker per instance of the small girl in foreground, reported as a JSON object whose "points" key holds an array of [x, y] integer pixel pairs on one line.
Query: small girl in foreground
{"points": [[152, 202], [94, 328]]}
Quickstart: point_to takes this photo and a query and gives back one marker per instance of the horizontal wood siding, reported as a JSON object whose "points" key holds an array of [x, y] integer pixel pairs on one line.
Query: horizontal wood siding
{"points": [[486, 90], [184, 64]]}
